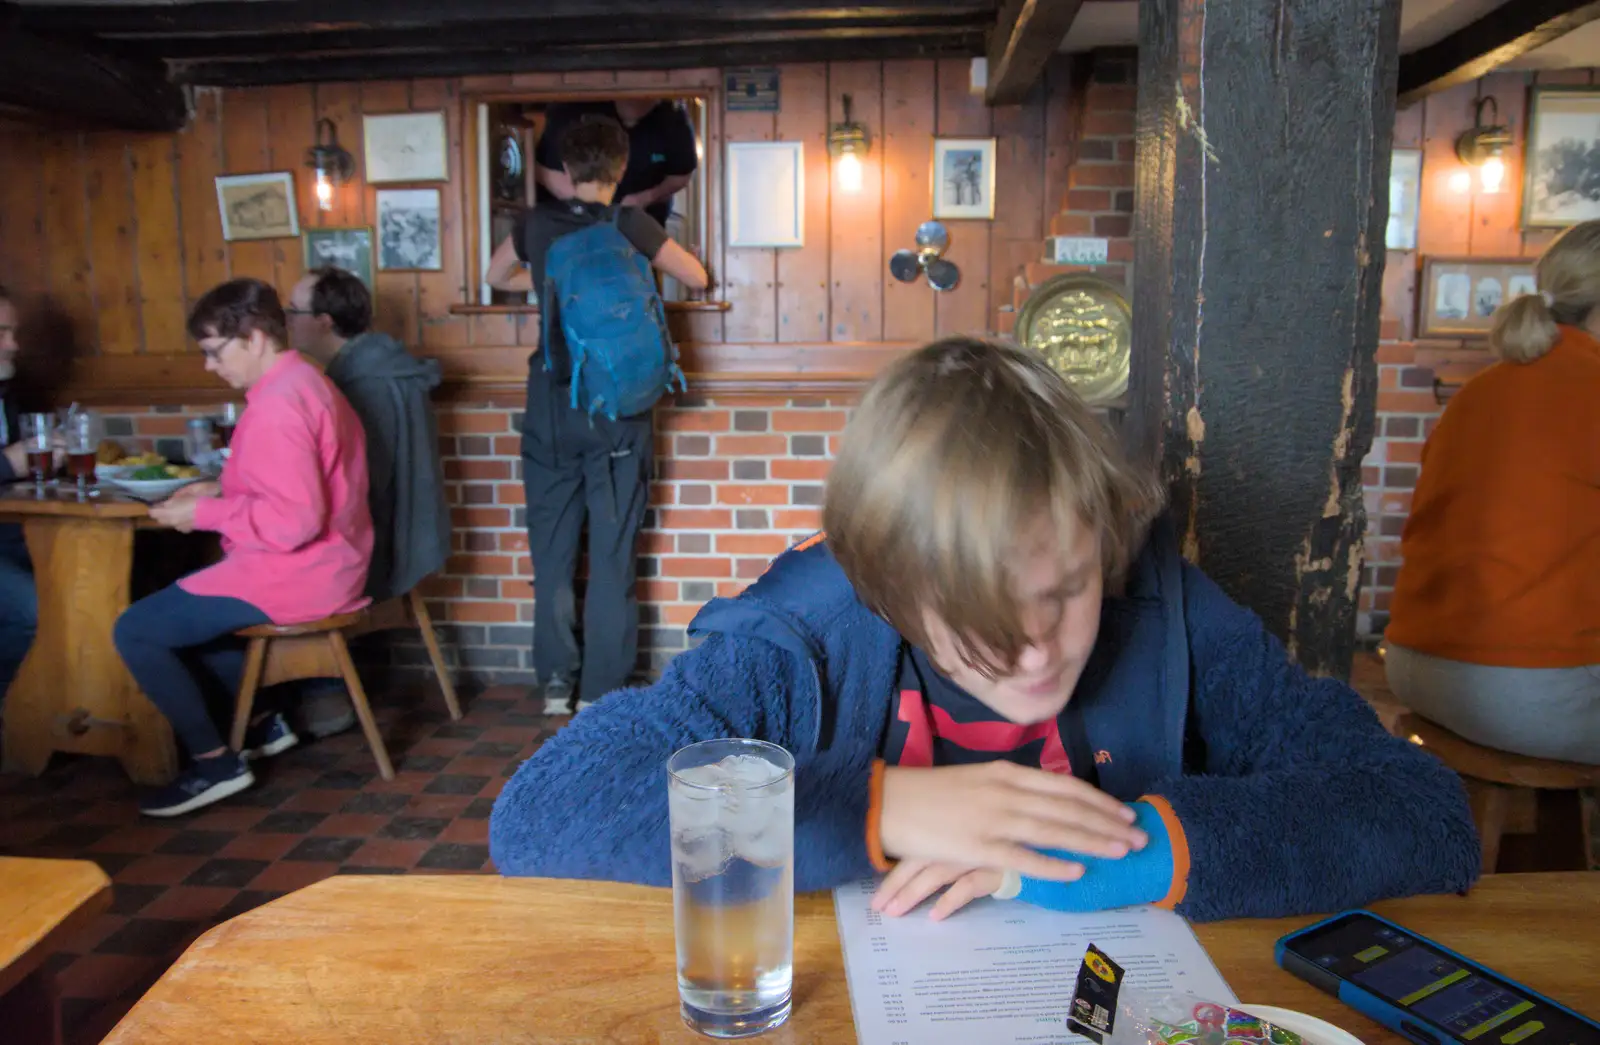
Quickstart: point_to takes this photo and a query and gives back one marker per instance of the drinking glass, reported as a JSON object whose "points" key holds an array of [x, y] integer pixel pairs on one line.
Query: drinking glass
{"points": [[731, 808], [84, 430], [200, 445], [38, 434], [226, 419]]}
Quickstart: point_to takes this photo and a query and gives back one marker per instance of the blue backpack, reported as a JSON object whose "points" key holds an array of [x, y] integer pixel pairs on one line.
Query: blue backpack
{"points": [[623, 359]]}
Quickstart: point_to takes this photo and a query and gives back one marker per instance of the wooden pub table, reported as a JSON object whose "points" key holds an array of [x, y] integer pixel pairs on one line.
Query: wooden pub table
{"points": [[73, 692], [473, 960], [43, 903]]}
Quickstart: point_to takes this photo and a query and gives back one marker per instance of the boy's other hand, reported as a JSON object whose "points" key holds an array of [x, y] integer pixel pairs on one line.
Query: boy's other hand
{"points": [[997, 815], [913, 881]]}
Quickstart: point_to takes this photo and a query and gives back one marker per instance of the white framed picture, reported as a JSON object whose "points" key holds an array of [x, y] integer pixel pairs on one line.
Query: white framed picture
{"points": [[766, 194], [341, 248], [963, 178], [1561, 171], [257, 206], [406, 146], [1405, 199], [408, 231]]}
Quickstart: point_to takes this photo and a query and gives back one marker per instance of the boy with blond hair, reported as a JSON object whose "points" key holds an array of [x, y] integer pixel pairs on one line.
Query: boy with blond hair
{"points": [[998, 677]]}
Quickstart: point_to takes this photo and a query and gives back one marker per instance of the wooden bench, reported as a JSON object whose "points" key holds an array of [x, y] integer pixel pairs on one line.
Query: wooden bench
{"points": [[43, 904], [1499, 775]]}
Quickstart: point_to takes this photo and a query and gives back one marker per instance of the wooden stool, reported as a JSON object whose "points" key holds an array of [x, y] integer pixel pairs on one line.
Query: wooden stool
{"points": [[302, 651], [1500, 773]]}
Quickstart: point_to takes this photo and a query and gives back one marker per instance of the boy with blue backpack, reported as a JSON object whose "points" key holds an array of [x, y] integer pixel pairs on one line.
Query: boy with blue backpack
{"points": [[587, 439]]}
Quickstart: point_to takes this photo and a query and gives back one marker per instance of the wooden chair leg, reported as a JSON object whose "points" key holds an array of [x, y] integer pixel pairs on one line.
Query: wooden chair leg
{"points": [[358, 697], [1492, 823], [255, 659], [419, 613]]}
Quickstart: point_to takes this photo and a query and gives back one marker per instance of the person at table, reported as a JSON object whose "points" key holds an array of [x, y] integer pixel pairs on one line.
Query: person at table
{"points": [[19, 600], [998, 677], [291, 507], [330, 322], [661, 152], [1494, 628]]}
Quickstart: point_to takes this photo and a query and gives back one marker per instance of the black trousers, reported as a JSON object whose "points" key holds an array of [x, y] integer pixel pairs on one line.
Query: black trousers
{"points": [[575, 468]]}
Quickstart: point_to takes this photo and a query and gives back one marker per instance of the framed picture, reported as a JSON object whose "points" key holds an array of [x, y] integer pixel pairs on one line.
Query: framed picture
{"points": [[408, 231], [341, 248], [1405, 194], [1459, 295], [406, 146], [766, 194], [257, 206], [1561, 173], [963, 178]]}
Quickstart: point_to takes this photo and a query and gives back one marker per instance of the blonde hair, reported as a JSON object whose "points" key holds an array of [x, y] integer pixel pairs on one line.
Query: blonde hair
{"points": [[1568, 276], [952, 453]]}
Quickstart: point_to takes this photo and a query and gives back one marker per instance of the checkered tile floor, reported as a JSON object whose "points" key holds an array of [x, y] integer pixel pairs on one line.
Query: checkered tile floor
{"points": [[318, 810]]}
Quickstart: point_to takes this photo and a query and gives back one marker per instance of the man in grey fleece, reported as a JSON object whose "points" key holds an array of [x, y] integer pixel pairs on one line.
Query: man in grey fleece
{"points": [[330, 313]]}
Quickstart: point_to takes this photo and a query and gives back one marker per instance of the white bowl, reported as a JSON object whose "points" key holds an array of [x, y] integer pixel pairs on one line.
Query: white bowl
{"points": [[1313, 1030], [153, 489], [113, 471]]}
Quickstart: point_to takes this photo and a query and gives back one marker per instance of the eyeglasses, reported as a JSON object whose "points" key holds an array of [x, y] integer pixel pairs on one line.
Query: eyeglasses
{"points": [[214, 354], [291, 311]]}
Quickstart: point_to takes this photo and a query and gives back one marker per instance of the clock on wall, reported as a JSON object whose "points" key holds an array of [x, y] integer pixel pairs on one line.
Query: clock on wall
{"points": [[1082, 326]]}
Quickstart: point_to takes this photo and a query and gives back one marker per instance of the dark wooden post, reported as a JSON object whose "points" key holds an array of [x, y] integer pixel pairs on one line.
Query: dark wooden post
{"points": [[1264, 132]]}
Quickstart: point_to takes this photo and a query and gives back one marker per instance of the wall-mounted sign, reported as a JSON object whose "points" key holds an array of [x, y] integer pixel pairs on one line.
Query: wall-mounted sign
{"points": [[751, 90], [1080, 250]]}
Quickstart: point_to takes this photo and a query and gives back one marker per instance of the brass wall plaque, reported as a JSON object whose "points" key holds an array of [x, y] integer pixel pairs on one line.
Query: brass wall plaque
{"points": [[1082, 325]]}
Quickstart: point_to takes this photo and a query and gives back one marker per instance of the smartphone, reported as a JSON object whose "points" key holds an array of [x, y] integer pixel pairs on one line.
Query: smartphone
{"points": [[1426, 992]]}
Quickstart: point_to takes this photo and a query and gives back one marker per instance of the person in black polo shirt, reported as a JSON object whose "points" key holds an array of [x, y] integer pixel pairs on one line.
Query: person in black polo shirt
{"points": [[661, 152]]}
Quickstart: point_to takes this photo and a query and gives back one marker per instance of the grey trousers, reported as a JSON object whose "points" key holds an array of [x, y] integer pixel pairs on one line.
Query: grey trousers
{"points": [[1541, 712]]}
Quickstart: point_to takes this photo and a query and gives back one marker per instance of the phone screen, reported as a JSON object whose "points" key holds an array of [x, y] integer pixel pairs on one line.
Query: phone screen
{"points": [[1436, 989]]}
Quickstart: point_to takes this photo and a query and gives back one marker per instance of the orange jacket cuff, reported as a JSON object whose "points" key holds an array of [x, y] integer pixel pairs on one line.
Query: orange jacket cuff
{"points": [[1180, 851], [880, 862]]}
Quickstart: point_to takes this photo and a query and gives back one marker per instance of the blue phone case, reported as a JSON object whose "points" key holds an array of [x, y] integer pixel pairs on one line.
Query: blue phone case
{"points": [[1387, 1013]]}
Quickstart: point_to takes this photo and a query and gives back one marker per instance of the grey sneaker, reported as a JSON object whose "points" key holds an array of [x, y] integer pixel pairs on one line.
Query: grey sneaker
{"points": [[558, 697], [325, 708]]}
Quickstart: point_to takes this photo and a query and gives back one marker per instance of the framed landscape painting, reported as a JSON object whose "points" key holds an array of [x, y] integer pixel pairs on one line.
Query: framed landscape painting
{"points": [[349, 249], [1561, 175]]}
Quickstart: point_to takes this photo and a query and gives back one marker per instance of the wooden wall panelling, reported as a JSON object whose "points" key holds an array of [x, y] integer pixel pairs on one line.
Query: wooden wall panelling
{"points": [[246, 150], [113, 265], [24, 262], [589, 79], [158, 241], [803, 272], [904, 150], [395, 307], [962, 114], [1534, 241], [1400, 266], [1497, 219], [341, 103], [200, 160], [1444, 222], [857, 263], [66, 230], [437, 291], [632, 79], [750, 274], [1017, 235], [292, 119]]}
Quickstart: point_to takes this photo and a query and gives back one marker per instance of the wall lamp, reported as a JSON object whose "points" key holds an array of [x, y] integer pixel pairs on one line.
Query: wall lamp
{"points": [[847, 144], [334, 166], [1481, 147]]}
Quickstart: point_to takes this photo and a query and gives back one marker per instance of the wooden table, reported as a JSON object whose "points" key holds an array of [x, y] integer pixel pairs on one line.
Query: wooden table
{"points": [[73, 692], [43, 903], [472, 960]]}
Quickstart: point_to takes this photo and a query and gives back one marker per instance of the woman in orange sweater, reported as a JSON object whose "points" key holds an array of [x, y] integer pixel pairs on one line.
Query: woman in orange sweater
{"points": [[1494, 631]]}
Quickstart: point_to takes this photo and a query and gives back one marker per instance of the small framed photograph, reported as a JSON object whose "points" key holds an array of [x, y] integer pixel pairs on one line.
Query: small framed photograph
{"points": [[408, 231], [1459, 296], [1561, 174], [963, 178], [349, 249], [257, 206], [406, 146], [766, 194], [1405, 196]]}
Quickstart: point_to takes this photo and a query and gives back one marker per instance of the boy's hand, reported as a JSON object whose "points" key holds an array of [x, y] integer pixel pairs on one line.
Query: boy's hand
{"points": [[997, 814], [913, 881]]}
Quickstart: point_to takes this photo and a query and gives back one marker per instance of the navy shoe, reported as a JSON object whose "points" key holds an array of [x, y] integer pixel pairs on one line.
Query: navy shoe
{"points": [[271, 736], [208, 780]]}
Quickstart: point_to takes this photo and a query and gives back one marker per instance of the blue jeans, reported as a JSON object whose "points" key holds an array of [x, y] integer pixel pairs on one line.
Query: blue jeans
{"points": [[19, 604], [181, 650]]}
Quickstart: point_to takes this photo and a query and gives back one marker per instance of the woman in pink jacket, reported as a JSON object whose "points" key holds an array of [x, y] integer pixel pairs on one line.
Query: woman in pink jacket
{"points": [[296, 538]]}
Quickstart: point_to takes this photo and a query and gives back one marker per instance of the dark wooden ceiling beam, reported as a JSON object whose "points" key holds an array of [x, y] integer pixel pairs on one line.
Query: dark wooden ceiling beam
{"points": [[460, 62], [1504, 34], [1025, 35], [81, 86]]}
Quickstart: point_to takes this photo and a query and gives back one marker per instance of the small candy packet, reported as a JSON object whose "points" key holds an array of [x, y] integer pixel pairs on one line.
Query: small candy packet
{"points": [[1109, 1012]]}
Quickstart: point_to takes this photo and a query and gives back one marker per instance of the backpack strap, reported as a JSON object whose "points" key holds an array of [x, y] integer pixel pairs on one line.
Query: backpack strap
{"points": [[546, 310]]}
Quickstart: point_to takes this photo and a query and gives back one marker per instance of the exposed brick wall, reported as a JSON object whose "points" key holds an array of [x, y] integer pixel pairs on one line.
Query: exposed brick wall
{"points": [[736, 482]]}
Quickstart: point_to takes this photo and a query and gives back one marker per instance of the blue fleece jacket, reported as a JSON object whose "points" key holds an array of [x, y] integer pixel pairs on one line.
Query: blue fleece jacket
{"points": [[1287, 795]]}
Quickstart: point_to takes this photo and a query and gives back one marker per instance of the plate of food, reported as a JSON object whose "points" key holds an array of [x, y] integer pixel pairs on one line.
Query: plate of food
{"points": [[112, 462], [157, 482]]}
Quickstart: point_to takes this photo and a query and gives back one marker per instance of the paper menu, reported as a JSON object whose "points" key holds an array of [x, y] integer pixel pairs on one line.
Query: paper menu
{"points": [[1000, 972]]}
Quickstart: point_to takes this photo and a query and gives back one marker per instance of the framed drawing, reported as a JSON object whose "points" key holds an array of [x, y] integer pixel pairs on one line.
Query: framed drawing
{"points": [[1405, 194], [408, 231], [406, 146], [257, 206], [341, 248], [1459, 295], [963, 178], [766, 194], [1561, 171]]}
